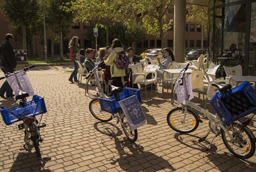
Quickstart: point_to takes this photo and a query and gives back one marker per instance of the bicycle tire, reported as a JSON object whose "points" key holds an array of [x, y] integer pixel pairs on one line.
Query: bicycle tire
{"points": [[95, 109], [36, 145], [174, 119], [240, 134], [131, 135]]}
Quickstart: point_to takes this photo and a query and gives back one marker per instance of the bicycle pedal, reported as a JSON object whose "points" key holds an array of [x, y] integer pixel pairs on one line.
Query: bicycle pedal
{"points": [[41, 140], [21, 126], [41, 125], [201, 139]]}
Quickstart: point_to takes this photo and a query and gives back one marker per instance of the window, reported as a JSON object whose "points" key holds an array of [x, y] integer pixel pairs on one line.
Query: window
{"points": [[198, 43], [186, 43], [170, 27], [192, 28], [86, 23], [158, 43], [198, 28], [76, 25], [169, 43], [186, 27], [146, 44], [192, 43], [170, 9], [205, 43], [152, 43], [140, 45]]}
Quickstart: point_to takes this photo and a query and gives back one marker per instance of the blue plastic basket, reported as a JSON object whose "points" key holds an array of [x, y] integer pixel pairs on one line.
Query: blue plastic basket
{"points": [[235, 104], [17, 113], [111, 104]]}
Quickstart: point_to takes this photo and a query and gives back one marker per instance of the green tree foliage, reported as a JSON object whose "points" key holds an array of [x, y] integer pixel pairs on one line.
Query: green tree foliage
{"points": [[153, 16], [21, 15], [59, 19], [105, 13], [198, 14]]}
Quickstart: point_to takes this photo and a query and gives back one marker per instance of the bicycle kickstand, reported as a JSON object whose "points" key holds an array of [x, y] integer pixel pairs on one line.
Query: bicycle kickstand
{"points": [[212, 140], [203, 138]]}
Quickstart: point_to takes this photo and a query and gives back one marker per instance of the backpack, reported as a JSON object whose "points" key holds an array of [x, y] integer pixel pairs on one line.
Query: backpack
{"points": [[121, 60]]}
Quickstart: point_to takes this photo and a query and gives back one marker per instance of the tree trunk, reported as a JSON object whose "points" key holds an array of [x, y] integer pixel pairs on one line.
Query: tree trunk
{"points": [[107, 33], [61, 43], [34, 45], [24, 44], [52, 45]]}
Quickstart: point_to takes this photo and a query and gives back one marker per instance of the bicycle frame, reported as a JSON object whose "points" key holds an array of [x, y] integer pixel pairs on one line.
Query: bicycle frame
{"points": [[214, 119]]}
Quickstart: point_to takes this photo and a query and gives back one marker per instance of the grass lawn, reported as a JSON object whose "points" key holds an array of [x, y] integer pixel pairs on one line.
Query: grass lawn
{"points": [[49, 60]]}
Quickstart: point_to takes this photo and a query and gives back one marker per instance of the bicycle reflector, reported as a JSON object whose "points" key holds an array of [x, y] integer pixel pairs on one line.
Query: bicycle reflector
{"points": [[245, 123], [29, 121]]}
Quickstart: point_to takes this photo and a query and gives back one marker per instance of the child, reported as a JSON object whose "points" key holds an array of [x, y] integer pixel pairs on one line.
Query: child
{"points": [[88, 63]]}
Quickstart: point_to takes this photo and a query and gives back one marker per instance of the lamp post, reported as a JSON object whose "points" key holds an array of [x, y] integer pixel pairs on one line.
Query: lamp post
{"points": [[45, 47]]}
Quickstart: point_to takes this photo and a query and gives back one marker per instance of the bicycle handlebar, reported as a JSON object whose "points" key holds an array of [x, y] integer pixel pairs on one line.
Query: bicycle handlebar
{"points": [[96, 67], [10, 74]]}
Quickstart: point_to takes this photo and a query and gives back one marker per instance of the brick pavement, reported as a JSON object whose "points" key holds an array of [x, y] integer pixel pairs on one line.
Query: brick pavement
{"points": [[75, 141]]}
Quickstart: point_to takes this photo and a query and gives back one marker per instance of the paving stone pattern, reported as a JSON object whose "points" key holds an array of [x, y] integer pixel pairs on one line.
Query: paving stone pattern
{"points": [[75, 141]]}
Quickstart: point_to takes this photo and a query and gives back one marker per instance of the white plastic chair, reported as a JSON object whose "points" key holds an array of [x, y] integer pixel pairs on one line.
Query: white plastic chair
{"points": [[155, 62], [236, 70], [144, 62], [139, 76], [198, 64], [81, 71]]}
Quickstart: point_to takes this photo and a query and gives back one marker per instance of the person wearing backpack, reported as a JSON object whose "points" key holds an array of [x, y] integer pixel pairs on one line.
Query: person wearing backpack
{"points": [[118, 62]]}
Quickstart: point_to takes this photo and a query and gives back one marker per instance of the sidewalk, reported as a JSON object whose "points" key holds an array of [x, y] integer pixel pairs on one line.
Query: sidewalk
{"points": [[76, 141]]}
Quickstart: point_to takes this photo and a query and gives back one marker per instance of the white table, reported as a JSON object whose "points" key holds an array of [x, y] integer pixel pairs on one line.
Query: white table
{"points": [[238, 79], [172, 72]]}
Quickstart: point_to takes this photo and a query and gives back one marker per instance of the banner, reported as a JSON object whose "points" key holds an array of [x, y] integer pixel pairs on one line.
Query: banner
{"points": [[133, 112]]}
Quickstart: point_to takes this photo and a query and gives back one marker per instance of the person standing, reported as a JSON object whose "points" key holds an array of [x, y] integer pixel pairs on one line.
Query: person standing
{"points": [[8, 63], [116, 74], [73, 48]]}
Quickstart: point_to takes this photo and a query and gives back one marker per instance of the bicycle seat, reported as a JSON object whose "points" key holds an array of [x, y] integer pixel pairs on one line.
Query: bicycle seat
{"points": [[222, 87], [115, 90], [21, 96]]}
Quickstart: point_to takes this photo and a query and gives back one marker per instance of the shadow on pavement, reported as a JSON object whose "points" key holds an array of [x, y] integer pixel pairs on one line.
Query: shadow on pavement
{"points": [[137, 159], [229, 162], [107, 128], [150, 119], [29, 162], [192, 142]]}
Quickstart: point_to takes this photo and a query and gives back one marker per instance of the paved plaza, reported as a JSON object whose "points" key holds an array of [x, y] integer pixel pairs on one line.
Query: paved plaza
{"points": [[76, 141]]}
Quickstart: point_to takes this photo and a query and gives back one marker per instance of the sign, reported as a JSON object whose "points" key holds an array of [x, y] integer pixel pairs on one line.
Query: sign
{"points": [[95, 31], [181, 90], [24, 83], [133, 112]]}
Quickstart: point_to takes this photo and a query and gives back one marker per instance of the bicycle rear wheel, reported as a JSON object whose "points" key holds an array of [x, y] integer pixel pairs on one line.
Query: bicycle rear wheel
{"points": [[182, 123], [96, 111], [244, 141], [131, 135]]}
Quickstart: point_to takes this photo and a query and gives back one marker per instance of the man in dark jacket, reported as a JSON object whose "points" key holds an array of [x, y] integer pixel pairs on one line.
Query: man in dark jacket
{"points": [[8, 63]]}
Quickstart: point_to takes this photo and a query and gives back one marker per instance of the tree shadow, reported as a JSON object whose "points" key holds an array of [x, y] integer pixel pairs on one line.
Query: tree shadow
{"points": [[29, 160], [137, 159]]}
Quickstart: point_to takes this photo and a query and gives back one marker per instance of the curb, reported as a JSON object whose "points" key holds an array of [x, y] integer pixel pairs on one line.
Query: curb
{"points": [[45, 64]]}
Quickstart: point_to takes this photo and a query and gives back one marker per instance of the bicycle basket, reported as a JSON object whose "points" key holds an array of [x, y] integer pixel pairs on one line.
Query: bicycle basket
{"points": [[111, 104], [235, 105], [17, 113]]}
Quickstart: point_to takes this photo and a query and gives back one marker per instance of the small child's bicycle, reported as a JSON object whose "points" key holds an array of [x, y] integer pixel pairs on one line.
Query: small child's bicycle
{"points": [[230, 106], [105, 108], [26, 111]]}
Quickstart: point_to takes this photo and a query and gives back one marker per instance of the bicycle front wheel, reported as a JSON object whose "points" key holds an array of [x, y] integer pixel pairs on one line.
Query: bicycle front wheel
{"points": [[131, 135], [243, 145], [97, 113], [181, 122], [36, 145]]}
